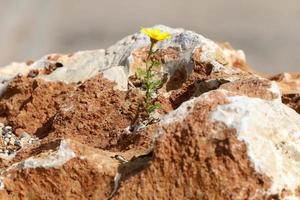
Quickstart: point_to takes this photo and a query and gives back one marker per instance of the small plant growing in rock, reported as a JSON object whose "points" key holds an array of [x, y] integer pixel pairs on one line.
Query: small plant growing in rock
{"points": [[150, 78]]}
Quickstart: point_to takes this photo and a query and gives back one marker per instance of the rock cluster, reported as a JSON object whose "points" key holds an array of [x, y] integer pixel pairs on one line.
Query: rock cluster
{"points": [[10, 143], [224, 132]]}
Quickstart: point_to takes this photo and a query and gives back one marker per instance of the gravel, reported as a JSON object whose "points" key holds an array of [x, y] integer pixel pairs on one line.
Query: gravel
{"points": [[10, 143]]}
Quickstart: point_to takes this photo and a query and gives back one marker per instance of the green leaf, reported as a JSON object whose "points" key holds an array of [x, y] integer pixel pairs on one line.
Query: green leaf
{"points": [[150, 92], [157, 83], [149, 63], [154, 84], [153, 107], [155, 63], [140, 73]]}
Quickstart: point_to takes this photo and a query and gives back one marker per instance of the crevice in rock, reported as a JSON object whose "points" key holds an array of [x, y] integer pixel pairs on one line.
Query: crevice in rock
{"points": [[195, 89], [117, 181], [45, 129], [25, 102], [292, 100], [193, 157], [128, 169], [178, 78], [203, 86]]}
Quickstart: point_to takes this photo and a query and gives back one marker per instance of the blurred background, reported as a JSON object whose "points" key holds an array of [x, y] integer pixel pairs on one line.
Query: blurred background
{"points": [[268, 31]]}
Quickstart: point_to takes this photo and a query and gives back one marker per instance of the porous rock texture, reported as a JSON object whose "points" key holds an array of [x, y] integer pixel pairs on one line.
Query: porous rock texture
{"points": [[224, 132]]}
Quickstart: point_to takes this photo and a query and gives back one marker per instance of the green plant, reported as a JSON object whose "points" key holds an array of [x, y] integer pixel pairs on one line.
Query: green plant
{"points": [[150, 78]]}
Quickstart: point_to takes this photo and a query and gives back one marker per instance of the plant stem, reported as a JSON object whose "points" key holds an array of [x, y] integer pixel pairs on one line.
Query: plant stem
{"points": [[148, 75]]}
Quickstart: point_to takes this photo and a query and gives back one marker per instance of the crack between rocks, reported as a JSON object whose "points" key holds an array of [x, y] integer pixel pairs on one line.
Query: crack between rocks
{"points": [[129, 168]]}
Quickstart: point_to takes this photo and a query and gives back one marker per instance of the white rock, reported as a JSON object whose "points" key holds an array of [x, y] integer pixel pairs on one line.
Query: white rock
{"points": [[271, 131], [1, 184], [7, 129], [183, 40], [78, 67], [275, 90], [180, 113], [51, 160], [9, 72], [84, 64], [118, 75]]}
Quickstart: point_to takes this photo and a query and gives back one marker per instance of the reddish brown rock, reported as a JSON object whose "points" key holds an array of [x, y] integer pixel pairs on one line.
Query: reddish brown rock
{"points": [[96, 103], [44, 177], [234, 58], [224, 132], [289, 84], [92, 112], [28, 104], [254, 87], [197, 159], [292, 100]]}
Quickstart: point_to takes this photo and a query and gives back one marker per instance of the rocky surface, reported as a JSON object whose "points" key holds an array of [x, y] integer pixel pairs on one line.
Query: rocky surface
{"points": [[290, 87], [225, 132]]}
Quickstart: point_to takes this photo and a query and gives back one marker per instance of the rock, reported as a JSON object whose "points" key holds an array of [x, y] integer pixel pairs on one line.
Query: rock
{"points": [[83, 65], [118, 75], [275, 132], [289, 83], [290, 86], [67, 169], [222, 146], [68, 125], [74, 68], [254, 87], [9, 72], [186, 49], [292, 100]]}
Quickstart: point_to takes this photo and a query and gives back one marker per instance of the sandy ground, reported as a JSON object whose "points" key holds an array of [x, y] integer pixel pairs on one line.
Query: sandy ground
{"points": [[268, 31]]}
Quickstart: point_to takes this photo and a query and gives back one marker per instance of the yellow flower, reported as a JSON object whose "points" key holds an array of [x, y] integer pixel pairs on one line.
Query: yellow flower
{"points": [[155, 34]]}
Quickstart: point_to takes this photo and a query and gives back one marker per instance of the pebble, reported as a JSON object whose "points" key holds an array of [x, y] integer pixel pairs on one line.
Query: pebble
{"points": [[11, 143], [17, 143], [7, 129]]}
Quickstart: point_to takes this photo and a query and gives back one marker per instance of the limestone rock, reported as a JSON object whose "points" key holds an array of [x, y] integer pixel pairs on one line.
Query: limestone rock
{"points": [[222, 146], [225, 131], [73, 68], [289, 84], [66, 168], [84, 64]]}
